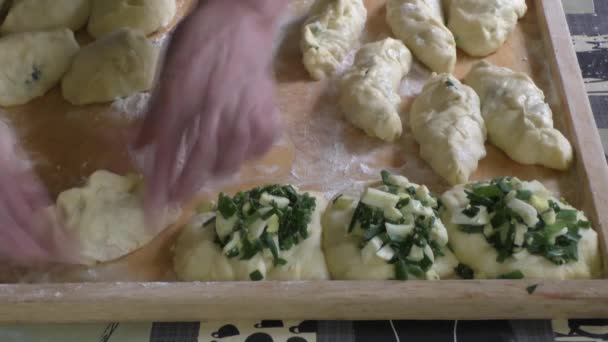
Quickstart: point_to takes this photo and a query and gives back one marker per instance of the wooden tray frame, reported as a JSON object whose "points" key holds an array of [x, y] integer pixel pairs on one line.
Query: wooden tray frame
{"points": [[459, 299]]}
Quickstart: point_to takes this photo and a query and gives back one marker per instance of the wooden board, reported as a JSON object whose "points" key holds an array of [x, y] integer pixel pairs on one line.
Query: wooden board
{"points": [[319, 151]]}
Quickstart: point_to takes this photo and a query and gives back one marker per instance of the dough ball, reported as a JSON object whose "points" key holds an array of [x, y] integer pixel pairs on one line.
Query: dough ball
{"points": [[146, 16], [42, 15], [32, 63], [355, 255], [198, 256], [115, 66], [536, 229], [105, 216]]}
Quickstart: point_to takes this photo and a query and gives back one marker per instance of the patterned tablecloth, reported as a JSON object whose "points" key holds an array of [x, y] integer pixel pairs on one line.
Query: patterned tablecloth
{"points": [[588, 21]]}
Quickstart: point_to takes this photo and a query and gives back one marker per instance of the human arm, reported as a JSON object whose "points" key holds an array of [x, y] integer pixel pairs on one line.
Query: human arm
{"points": [[215, 93]]}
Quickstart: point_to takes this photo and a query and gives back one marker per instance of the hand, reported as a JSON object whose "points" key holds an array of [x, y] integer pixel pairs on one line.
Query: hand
{"points": [[215, 96], [28, 232]]}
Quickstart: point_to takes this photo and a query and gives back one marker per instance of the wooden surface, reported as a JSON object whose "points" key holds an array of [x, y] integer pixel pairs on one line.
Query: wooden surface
{"points": [[369, 300], [319, 151]]}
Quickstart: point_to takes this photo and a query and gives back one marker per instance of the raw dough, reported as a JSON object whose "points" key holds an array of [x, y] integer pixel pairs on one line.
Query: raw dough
{"points": [[32, 63], [331, 31], [345, 257], [199, 258], [115, 66], [146, 16], [474, 250], [106, 216], [419, 23], [518, 120], [369, 97], [446, 120], [481, 27], [43, 15]]}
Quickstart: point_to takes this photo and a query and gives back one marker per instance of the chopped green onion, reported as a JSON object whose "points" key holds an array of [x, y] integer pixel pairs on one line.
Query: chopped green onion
{"points": [[256, 275], [524, 195], [567, 215], [226, 206], [464, 271], [471, 211], [400, 270], [531, 288]]}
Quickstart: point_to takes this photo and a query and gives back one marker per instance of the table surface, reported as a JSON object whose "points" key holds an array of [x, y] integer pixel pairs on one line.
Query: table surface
{"points": [[588, 20]]}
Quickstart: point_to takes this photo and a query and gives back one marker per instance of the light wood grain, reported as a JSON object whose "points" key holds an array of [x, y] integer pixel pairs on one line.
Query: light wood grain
{"points": [[49, 127], [582, 128], [303, 300]]}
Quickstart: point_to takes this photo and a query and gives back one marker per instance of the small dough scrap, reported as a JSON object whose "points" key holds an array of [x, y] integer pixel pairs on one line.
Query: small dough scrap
{"points": [[44, 15], [446, 120], [146, 16], [31, 63], [419, 23], [519, 121], [105, 216], [115, 66], [329, 33], [197, 257], [345, 253], [473, 249], [369, 97], [481, 27]]}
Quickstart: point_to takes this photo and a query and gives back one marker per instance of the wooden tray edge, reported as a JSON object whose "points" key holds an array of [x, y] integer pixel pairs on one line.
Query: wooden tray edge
{"points": [[356, 300], [583, 132], [353, 300]]}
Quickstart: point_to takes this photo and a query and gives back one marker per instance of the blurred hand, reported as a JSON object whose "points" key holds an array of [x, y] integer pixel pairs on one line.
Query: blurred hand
{"points": [[28, 232], [215, 95]]}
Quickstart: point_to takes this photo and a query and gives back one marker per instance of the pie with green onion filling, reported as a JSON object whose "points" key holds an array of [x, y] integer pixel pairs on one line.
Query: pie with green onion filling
{"points": [[267, 233], [392, 232], [508, 228]]}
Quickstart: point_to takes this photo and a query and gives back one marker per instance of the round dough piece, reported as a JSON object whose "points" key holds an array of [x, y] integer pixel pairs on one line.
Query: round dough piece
{"points": [[31, 63], [347, 260], [474, 250], [43, 15], [199, 258], [146, 16], [115, 66], [105, 216]]}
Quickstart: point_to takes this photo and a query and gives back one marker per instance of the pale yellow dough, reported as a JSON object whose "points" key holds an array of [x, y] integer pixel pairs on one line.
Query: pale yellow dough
{"points": [[474, 251], [446, 120], [44, 15], [481, 27], [369, 97], [198, 258], [146, 16], [518, 119], [105, 216], [118, 65], [346, 259], [419, 23], [31, 63], [330, 32]]}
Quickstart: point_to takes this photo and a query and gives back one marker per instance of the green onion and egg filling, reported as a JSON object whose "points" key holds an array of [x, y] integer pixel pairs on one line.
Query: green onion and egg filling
{"points": [[273, 218], [514, 216], [397, 221]]}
